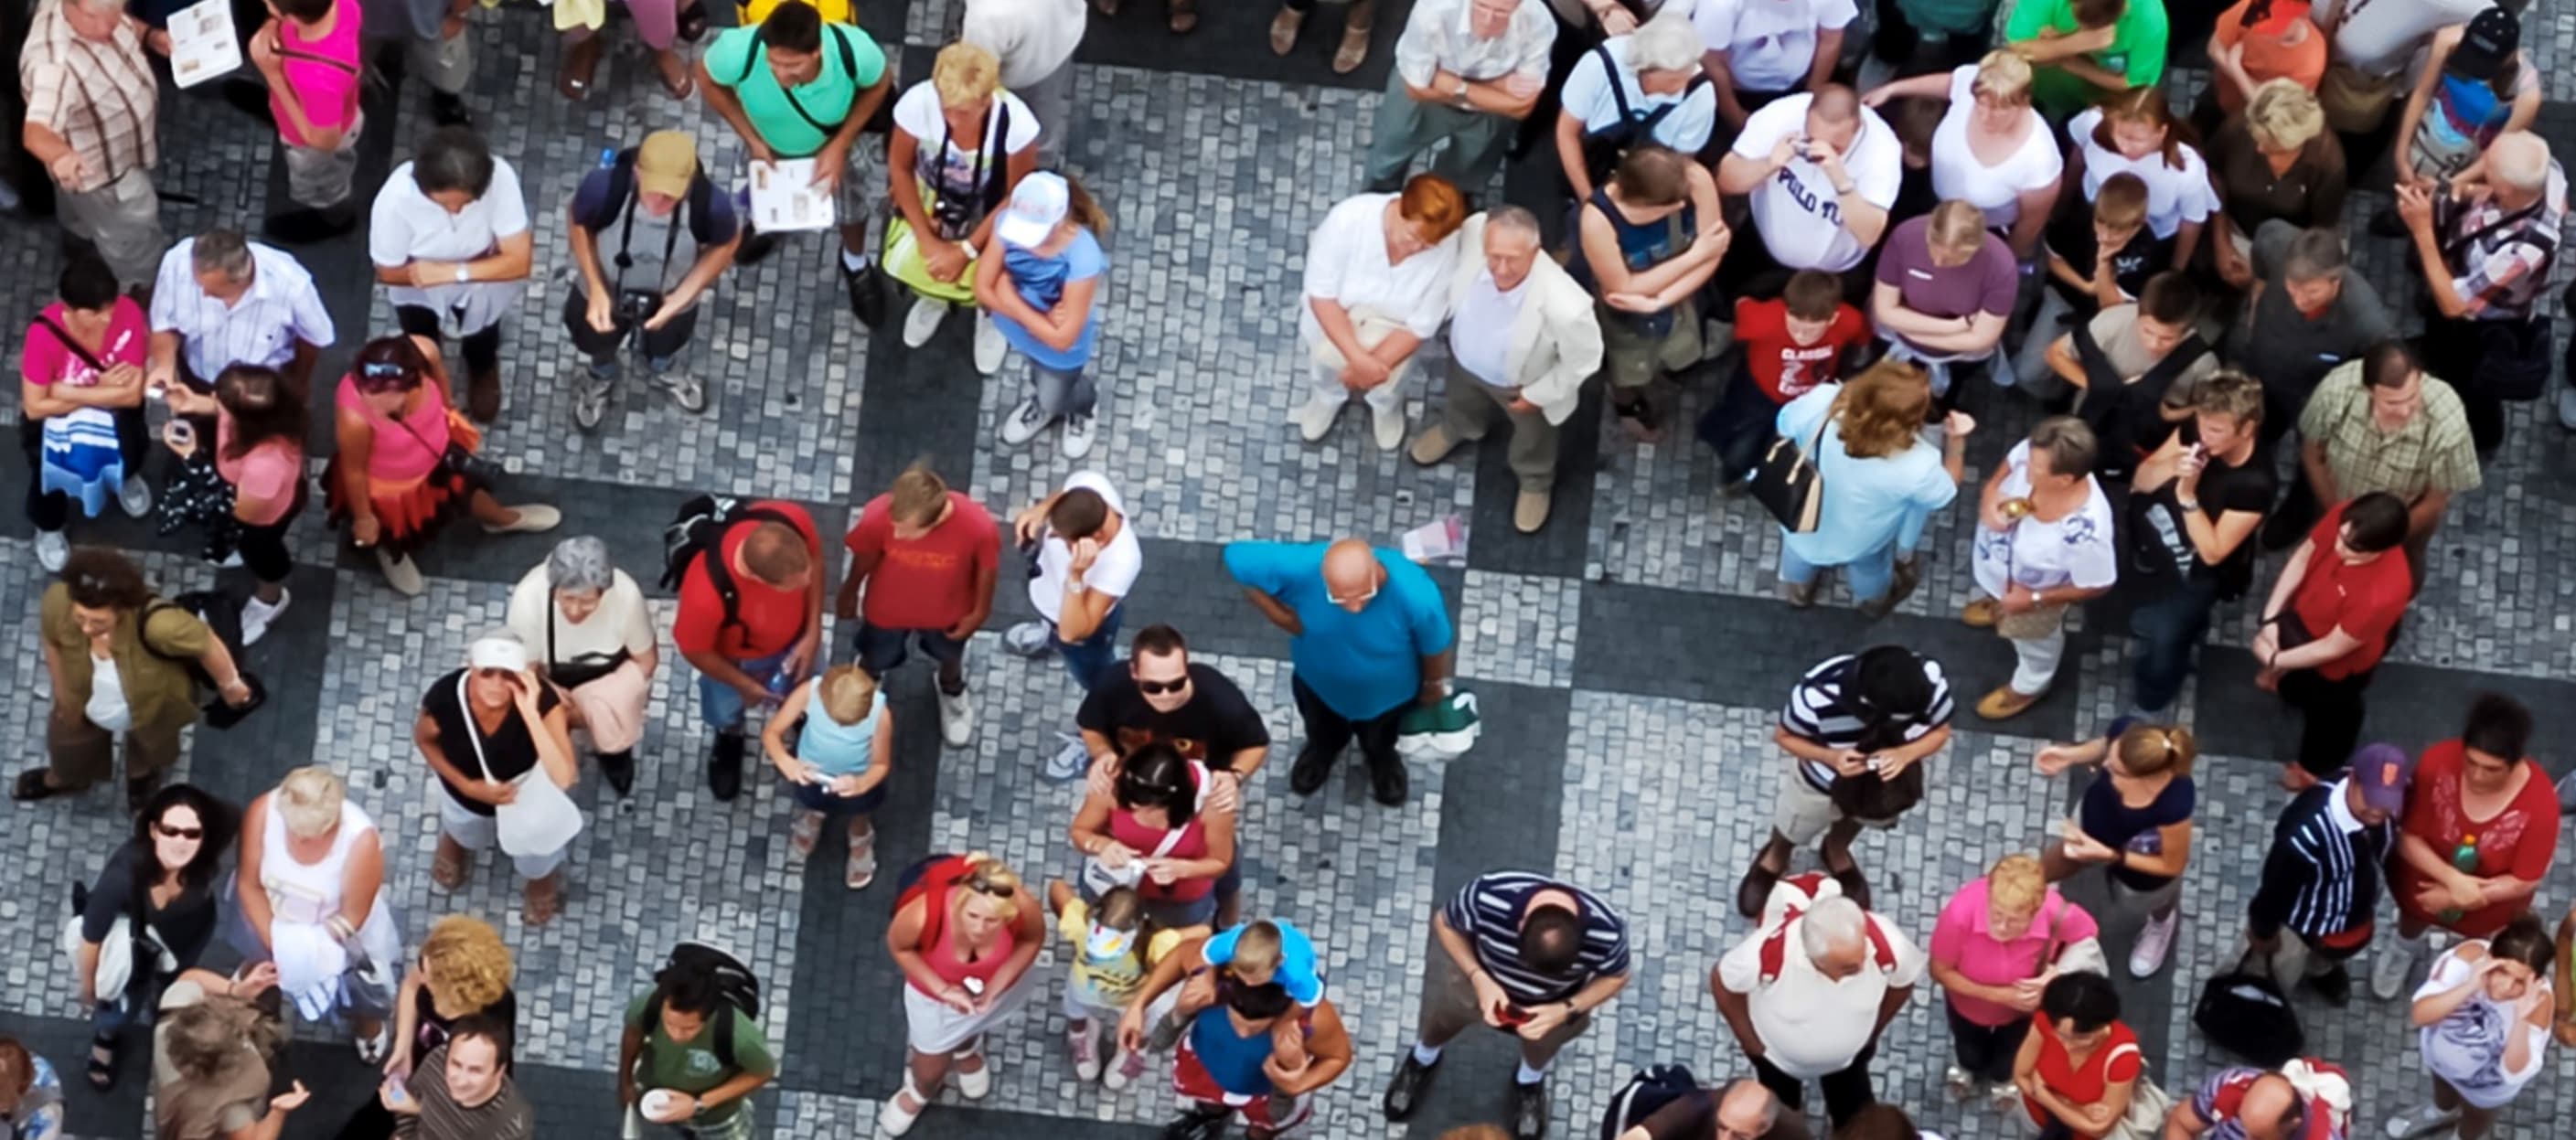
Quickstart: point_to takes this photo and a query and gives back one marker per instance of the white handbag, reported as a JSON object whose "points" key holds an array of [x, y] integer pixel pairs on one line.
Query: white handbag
{"points": [[542, 819], [115, 956]]}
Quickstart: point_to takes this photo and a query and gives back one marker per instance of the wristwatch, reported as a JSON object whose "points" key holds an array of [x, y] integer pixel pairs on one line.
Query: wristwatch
{"points": [[464, 274]]}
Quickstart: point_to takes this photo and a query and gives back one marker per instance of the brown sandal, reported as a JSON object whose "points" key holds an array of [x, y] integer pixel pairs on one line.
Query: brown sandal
{"points": [[676, 79], [544, 899], [447, 871], [580, 65], [1184, 17], [1353, 52]]}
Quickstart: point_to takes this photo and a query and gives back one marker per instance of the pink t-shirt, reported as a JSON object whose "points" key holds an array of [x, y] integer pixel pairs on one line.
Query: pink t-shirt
{"points": [[324, 73], [404, 450], [268, 474], [49, 361], [1961, 941]]}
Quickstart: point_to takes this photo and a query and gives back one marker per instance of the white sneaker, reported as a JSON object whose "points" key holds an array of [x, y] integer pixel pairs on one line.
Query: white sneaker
{"points": [[1029, 639], [1389, 425], [975, 1085], [1958, 1083], [1023, 423], [52, 550], [2419, 1120], [956, 719], [1069, 761], [135, 496], [989, 345], [923, 321], [1077, 436], [2155, 940], [256, 615], [1314, 418], [2390, 968]]}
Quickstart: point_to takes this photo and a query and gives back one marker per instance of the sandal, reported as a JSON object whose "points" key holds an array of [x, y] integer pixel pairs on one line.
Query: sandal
{"points": [[31, 786], [676, 80], [102, 1062], [804, 833], [1184, 17], [862, 867], [544, 899], [580, 65], [1353, 52], [448, 872]]}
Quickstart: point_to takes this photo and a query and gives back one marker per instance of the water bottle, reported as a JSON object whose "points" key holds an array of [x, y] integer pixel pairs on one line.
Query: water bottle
{"points": [[607, 157], [2464, 857]]}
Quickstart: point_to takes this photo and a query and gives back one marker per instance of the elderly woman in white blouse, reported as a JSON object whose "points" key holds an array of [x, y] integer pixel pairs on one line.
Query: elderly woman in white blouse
{"points": [[1377, 286], [589, 634], [1992, 150]]}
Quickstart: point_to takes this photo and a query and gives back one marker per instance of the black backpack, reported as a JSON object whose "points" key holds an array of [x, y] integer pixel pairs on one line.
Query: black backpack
{"points": [[699, 528], [1651, 1088], [221, 613], [736, 988]]}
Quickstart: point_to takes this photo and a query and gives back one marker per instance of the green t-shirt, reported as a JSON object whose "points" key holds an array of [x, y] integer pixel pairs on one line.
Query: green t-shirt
{"points": [[691, 1067], [2137, 50], [828, 98]]}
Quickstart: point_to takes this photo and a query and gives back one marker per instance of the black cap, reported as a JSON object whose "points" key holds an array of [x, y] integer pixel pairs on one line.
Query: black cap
{"points": [[2487, 45]]}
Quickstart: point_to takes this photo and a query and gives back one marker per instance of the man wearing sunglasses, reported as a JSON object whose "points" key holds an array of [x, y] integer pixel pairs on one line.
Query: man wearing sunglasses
{"points": [[1370, 636]]}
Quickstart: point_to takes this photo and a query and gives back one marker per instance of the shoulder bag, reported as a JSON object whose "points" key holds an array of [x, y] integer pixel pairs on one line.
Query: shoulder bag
{"points": [[542, 819], [130, 941], [1787, 483], [580, 671], [2148, 1104], [1872, 798]]}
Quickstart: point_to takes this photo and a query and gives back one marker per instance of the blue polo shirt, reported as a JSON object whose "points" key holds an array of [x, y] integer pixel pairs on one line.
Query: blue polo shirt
{"points": [[1361, 664]]}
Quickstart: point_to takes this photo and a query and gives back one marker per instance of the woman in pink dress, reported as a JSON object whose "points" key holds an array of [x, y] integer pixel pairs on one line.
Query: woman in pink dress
{"points": [[311, 57], [403, 468]]}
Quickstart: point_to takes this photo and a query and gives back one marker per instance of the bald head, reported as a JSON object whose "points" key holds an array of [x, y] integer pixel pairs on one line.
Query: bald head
{"points": [[1748, 1109], [1351, 573], [2270, 1108], [1833, 116]]}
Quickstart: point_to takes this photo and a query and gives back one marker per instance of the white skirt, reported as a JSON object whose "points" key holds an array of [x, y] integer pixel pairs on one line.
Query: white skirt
{"points": [[932, 1027]]}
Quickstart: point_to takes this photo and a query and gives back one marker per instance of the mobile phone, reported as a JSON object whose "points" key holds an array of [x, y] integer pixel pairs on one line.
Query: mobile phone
{"points": [[1512, 1016], [395, 1088]]}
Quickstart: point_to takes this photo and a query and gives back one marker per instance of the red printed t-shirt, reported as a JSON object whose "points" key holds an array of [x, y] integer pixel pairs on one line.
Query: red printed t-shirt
{"points": [[927, 582], [1784, 368], [2109, 1064], [2519, 841], [2366, 599], [2267, 57], [767, 621]]}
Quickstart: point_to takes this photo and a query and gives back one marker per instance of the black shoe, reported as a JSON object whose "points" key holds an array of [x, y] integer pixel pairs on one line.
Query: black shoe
{"points": [[1389, 783], [1193, 1125], [1855, 885], [724, 765], [1755, 889], [449, 110], [2334, 985], [867, 293], [754, 248], [1404, 1093], [1308, 773], [2387, 224], [619, 767], [1529, 1111]]}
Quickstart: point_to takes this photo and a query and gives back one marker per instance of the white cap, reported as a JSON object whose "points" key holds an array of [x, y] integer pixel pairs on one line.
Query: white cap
{"points": [[497, 651], [1036, 206]]}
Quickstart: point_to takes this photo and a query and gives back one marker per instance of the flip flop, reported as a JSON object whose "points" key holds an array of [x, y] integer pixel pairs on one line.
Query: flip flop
{"points": [[31, 786], [102, 1063]]}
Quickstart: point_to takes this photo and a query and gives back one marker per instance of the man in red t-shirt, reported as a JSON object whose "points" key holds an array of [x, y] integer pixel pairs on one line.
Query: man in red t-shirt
{"points": [[929, 557], [767, 644], [2327, 624], [1791, 344]]}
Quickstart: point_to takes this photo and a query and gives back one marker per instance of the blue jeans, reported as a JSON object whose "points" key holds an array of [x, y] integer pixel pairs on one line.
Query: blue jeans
{"points": [[721, 706], [2167, 629], [1869, 575], [1091, 658]]}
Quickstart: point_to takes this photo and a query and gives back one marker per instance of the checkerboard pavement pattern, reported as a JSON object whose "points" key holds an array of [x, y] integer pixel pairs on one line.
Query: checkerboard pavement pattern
{"points": [[1631, 658]]}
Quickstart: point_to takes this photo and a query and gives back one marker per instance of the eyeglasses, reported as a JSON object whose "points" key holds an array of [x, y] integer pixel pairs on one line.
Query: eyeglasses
{"points": [[169, 832], [1361, 599], [1158, 688]]}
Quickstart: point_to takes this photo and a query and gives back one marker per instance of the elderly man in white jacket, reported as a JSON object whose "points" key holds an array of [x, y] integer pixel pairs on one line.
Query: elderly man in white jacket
{"points": [[1522, 340]]}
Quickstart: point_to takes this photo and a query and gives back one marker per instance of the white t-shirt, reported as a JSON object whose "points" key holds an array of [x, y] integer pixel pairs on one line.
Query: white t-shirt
{"points": [[1113, 571], [2174, 196], [2379, 37], [1996, 189], [622, 621], [1346, 262], [107, 706], [1588, 97], [405, 225], [1480, 335], [1796, 212], [2076, 550], [2466, 1049], [1811, 1025], [1032, 38], [1770, 45], [962, 162]]}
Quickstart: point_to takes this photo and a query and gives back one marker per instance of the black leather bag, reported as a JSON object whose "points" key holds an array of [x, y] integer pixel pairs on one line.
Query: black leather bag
{"points": [[1787, 483], [2244, 1012]]}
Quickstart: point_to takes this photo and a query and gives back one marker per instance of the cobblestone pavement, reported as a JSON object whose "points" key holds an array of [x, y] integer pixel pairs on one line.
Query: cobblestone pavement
{"points": [[1630, 658]]}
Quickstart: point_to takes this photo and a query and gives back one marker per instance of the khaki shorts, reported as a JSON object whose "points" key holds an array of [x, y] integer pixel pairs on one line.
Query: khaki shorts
{"points": [[1449, 1006], [1632, 358], [1802, 813]]}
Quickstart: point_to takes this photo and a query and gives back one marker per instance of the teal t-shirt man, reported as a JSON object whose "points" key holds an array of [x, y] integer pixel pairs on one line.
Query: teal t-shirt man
{"points": [[2136, 52], [1361, 663], [796, 122]]}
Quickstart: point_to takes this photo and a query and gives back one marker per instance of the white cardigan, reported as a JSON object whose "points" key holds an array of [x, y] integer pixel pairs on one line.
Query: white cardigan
{"points": [[1556, 340]]}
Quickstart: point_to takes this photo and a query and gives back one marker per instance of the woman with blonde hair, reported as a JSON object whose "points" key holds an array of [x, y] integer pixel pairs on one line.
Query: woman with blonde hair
{"points": [[2135, 824], [1996, 946], [2274, 162], [2135, 132], [1992, 149], [960, 146], [1880, 481], [1376, 287], [965, 932], [837, 767], [310, 899]]}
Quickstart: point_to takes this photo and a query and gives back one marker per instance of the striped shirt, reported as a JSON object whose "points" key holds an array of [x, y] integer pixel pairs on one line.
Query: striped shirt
{"points": [[280, 309], [2322, 875], [1818, 711], [1489, 913], [504, 1117], [102, 98]]}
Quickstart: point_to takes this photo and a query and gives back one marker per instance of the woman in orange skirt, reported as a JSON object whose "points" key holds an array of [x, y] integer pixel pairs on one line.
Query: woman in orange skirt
{"points": [[404, 463]]}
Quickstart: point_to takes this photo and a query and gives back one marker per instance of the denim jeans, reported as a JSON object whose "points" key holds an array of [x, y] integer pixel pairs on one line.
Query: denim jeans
{"points": [[720, 705], [1869, 575], [2168, 629], [1091, 658]]}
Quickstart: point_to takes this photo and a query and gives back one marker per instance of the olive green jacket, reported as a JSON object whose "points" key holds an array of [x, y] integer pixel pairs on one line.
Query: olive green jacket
{"points": [[157, 688]]}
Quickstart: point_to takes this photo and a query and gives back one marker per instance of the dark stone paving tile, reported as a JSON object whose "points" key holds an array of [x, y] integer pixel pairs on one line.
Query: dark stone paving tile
{"points": [[921, 404], [2411, 705], [65, 1042], [951, 1122], [1558, 549], [249, 758], [1233, 40], [1728, 650]]}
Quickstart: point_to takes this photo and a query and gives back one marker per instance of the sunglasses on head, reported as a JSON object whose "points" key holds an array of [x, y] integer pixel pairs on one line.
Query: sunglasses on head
{"points": [[169, 832], [1158, 688], [383, 370]]}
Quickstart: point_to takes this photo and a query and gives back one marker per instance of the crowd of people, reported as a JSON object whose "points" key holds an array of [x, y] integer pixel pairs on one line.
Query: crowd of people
{"points": [[2021, 215]]}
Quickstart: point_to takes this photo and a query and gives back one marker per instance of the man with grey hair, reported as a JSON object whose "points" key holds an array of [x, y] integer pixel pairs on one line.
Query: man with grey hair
{"points": [[93, 120], [1809, 991], [1467, 71], [1645, 87], [2486, 250], [2308, 314], [1522, 339], [221, 300]]}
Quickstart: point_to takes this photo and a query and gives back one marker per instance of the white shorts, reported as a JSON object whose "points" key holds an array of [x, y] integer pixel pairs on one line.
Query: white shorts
{"points": [[482, 832]]}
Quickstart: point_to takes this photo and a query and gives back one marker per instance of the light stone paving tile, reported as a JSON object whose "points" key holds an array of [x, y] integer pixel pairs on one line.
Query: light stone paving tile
{"points": [[1214, 185], [1519, 628], [1354, 875], [668, 864], [821, 1114]]}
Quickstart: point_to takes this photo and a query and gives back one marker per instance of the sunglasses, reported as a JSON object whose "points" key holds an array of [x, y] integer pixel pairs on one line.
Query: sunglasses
{"points": [[1158, 688], [383, 370], [169, 832]]}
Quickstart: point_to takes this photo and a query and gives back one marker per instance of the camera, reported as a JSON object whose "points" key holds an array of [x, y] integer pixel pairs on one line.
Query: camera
{"points": [[635, 307]]}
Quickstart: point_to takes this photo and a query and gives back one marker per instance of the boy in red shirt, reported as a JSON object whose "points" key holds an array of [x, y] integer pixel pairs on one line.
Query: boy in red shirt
{"points": [[762, 649], [2329, 620], [1790, 344], [930, 557]]}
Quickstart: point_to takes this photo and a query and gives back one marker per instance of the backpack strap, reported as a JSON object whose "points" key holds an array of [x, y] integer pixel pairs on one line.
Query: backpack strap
{"points": [[1610, 76], [720, 575], [1774, 954]]}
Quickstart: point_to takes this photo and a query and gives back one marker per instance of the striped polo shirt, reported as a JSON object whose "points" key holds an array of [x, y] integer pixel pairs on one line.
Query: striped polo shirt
{"points": [[1489, 913], [1819, 710], [504, 1117]]}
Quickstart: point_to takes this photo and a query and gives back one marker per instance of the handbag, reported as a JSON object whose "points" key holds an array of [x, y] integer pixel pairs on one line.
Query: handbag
{"points": [[130, 939], [2244, 1012], [584, 670], [2354, 103], [542, 819], [2032, 624], [1787, 483], [459, 459], [2148, 1105]]}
